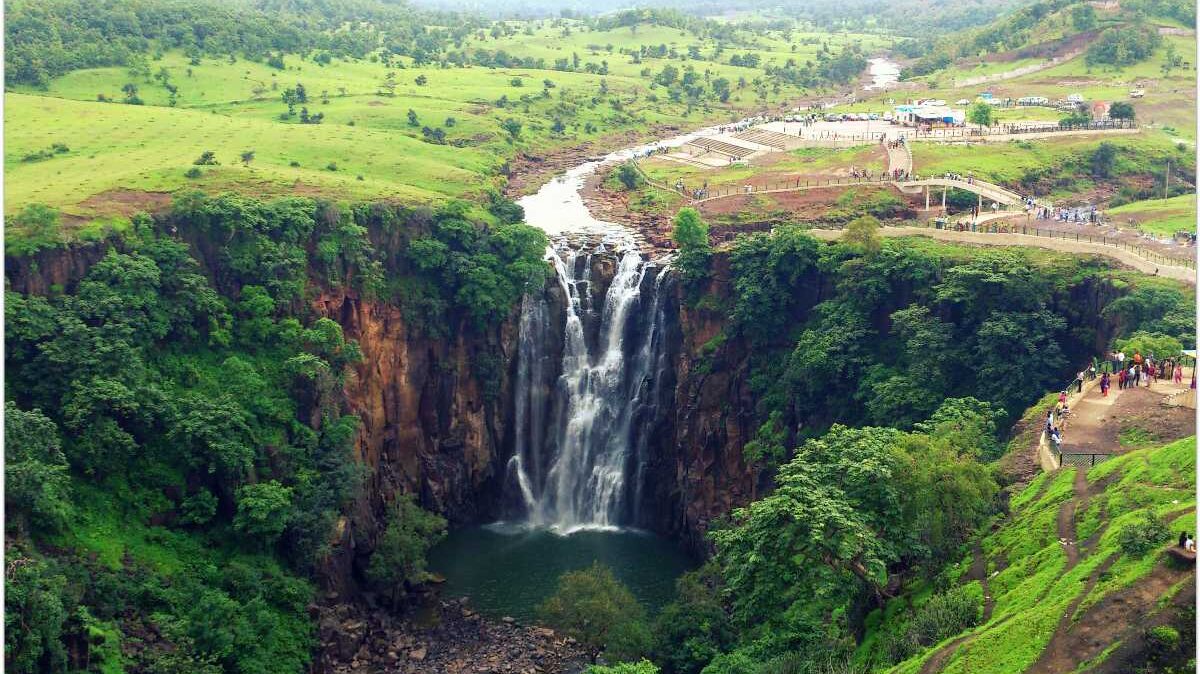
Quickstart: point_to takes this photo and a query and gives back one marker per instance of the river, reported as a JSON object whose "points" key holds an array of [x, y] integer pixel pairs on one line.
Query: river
{"points": [[884, 73]]}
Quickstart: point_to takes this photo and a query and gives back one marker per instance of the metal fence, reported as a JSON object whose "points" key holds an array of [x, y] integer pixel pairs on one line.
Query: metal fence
{"points": [[1081, 459]]}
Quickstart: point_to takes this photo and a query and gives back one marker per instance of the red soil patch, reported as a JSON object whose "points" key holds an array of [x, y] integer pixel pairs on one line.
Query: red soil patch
{"points": [[126, 202]]}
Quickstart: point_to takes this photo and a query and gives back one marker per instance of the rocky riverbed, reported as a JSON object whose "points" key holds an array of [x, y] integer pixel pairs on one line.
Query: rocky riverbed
{"points": [[441, 636]]}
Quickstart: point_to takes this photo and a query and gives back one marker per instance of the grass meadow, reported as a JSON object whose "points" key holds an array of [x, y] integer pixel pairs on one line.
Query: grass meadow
{"points": [[366, 146]]}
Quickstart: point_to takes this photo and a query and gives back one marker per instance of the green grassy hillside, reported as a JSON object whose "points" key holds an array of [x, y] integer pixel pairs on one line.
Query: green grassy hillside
{"points": [[1160, 216], [367, 145], [1031, 579]]}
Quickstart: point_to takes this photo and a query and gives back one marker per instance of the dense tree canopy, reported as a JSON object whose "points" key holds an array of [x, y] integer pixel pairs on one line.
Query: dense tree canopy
{"points": [[189, 392]]}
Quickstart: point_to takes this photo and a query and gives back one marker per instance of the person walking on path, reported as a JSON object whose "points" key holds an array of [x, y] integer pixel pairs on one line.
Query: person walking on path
{"points": [[1104, 384], [1121, 379], [1178, 375]]}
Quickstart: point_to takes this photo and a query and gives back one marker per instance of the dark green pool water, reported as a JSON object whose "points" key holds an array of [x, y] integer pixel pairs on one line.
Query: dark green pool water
{"points": [[507, 571]]}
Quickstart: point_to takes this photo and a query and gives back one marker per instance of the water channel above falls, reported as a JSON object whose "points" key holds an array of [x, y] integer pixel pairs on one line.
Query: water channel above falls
{"points": [[587, 388]]}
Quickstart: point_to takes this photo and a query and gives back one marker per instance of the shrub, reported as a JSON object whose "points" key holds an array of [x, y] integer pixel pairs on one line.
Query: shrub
{"points": [[262, 510], [1141, 537], [630, 176], [199, 508], [943, 615], [690, 234], [399, 557], [35, 227], [594, 608], [193, 173]]}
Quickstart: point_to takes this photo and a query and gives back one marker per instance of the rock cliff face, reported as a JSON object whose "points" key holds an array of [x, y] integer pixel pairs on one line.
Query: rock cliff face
{"points": [[427, 425], [698, 472]]}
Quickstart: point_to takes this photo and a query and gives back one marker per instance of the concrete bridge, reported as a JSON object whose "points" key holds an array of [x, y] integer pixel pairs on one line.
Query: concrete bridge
{"points": [[984, 190]]}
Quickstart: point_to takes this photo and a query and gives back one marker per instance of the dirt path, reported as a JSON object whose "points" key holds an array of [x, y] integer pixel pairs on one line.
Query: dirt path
{"points": [[978, 571], [1066, 518], [1060, 654]]}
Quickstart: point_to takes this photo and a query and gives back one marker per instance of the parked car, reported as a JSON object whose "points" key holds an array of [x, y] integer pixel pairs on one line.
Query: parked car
{"points": [[1137, 93]]}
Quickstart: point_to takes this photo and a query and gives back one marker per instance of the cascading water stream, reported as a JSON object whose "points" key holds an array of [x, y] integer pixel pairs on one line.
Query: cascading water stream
{"points": [[579, 455]]}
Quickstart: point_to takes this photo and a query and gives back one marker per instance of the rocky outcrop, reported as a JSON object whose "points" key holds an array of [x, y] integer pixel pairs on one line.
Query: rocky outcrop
{"points": [[51, 270], [446, 637]]}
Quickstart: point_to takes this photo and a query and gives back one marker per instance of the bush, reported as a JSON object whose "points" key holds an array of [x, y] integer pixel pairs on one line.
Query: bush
{"points": [[690, 234], [942, 616], [262, 510], [35, 227], [1141, 537], [399, 557], [595, 609], [193, 173], [630, 176]]}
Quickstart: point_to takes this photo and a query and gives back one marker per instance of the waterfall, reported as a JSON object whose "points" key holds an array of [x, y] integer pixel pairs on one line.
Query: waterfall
{"points": [[578, 427]]}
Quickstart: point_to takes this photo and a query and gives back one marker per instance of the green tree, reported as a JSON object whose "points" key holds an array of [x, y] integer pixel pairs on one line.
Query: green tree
{"points": [[34, 614], [1121, 110], [38, 227], [421, 80], [512, 127], [413, 120], [694, 628], [247, 157], [1103, 160], [667, 76], [981, 114], [594, 608], [969, 423], [629, 176], [262, 510], [863, 232], [399, 559], [37, 488], [690, 234], [1150, 343], [1083, 17]]}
